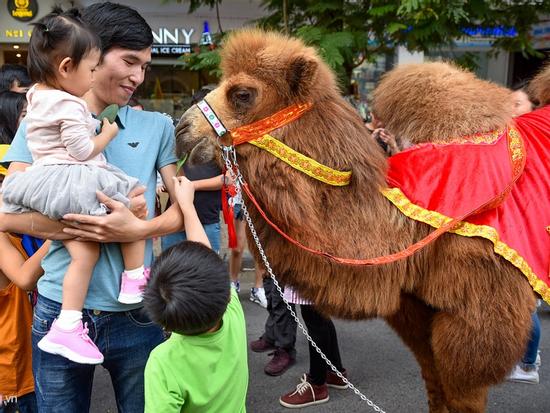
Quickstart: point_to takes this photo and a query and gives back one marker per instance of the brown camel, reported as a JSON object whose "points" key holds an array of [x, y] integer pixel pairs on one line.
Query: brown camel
{"points": [[464, 311]]}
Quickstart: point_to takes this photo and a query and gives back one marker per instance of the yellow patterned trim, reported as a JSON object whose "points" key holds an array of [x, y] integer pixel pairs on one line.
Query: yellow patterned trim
{"points": [[301, 162], [436, 220], [477, 138]]}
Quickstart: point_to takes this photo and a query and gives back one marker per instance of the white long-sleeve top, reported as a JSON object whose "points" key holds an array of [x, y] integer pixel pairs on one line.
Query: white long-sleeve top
{"points": [[60, 128]]}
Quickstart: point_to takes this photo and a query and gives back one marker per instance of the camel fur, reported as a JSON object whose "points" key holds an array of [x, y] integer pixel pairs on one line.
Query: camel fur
{"points": [[464, 311]]}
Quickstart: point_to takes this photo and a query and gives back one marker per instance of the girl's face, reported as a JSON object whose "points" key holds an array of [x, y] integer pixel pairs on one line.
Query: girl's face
{"points": [[522, 104], [78, 80]]}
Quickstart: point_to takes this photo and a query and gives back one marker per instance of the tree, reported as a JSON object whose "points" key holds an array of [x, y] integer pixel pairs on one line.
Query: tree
{"points": [[347, 32]]}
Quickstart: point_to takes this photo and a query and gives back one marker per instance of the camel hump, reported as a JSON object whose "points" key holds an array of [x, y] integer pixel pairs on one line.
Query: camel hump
{"points": [[439, 101]]}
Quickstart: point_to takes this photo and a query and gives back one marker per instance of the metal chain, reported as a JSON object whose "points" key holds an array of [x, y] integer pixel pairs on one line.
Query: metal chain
{"points": [[230, 160]]}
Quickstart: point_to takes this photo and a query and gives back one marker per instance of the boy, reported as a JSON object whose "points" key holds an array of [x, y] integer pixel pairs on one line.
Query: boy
{"points": [[202, 367]]}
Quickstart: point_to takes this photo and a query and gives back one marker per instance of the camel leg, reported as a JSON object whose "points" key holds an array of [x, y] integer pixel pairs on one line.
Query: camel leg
{"points": [[413, 324]]}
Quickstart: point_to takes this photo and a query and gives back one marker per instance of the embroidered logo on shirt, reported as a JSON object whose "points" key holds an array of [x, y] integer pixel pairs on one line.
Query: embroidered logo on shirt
{"points": [[133, 144]]}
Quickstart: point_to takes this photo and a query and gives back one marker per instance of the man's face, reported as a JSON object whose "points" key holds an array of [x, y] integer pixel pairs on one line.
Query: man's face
{"points": [[119, 74]]}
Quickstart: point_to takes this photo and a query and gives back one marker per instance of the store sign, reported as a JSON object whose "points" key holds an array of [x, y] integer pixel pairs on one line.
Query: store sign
{"points": [[23, 10], [171, 42]]}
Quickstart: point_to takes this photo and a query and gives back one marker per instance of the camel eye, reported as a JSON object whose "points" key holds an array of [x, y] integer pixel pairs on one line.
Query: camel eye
{"points": [[242, 98]]}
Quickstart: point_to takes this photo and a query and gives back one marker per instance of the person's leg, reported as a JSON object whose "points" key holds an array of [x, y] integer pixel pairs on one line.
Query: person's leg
{"points": [[67, 336], [530, 356], [58, 381], [214, 236], [322, 331], [257, 293], [134, 277], [236, 258], [129, 338]]}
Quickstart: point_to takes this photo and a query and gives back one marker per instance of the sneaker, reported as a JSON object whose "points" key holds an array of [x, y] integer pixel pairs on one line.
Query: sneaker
{"points": [[74, 345], [538, 361], [236, 285], [131, 290], [280, 362], [257, 295], [261, 346], [306, 394], [520, 375], [333, 380]]}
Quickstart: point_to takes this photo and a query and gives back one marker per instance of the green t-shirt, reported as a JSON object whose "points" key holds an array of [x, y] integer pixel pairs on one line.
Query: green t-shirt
{"points": [[204, 373]]}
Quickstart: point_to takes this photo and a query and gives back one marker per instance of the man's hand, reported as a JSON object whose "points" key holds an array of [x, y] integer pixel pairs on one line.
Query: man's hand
{"points": [[138, 205], [121, 225]]}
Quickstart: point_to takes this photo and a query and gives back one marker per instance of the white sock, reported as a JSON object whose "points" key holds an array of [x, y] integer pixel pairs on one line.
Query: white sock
{"points": [[135, 274], [68, 319]]}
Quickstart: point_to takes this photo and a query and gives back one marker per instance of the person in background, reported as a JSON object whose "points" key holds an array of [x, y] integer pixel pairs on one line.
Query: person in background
{"points": [[203, 366], [13, 108], [135, 104], [14, 78], [527, 370], [208, 181]]}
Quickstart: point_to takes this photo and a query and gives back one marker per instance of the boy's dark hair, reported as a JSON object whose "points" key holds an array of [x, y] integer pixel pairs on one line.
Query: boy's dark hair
{"points": [[56, 36], [10, 73], [11, 105], [188, 291], [118, 26]]}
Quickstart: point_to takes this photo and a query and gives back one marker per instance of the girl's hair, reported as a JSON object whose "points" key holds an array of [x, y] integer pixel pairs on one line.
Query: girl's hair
{"points": [[11, 105], [56, 36]]}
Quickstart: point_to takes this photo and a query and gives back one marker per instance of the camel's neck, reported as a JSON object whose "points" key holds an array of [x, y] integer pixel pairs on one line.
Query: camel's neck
{"points": [[335, 136]]}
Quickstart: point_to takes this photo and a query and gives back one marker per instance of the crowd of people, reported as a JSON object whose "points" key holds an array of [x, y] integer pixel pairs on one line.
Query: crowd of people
{"points": [[85, 300]]}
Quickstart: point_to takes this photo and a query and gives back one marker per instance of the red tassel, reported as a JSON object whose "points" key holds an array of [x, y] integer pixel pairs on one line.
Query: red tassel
{"points": [[228, 216]]}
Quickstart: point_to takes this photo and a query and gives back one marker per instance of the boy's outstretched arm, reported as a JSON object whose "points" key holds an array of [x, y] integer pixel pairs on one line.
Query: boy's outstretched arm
{"points": [[23, 273], [185, 192]]}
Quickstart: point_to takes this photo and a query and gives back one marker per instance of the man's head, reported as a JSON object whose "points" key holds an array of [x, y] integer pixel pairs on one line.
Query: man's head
{"points": [[188, 291], [126, 41], [14, 78]]}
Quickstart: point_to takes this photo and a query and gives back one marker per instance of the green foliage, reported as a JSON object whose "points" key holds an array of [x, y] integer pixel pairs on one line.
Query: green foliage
{"points": [[346, 32]]}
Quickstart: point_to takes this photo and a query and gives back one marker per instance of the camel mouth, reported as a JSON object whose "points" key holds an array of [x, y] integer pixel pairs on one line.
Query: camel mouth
{"points": [[201, 153]]}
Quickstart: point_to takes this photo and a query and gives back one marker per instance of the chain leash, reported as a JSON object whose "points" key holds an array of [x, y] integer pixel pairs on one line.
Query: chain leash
{"points": [[229, 156]]}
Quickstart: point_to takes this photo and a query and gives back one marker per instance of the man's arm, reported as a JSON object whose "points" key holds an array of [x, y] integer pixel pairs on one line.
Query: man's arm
{"points": [[31, 223], [121, 225]]}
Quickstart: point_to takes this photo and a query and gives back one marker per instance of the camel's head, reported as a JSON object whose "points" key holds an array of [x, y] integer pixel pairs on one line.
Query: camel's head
{"points": [[263, 72], [438, 101]]}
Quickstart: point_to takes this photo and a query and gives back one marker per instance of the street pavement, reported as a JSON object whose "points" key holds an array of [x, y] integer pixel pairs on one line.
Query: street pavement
{"points": [[378, 363]]}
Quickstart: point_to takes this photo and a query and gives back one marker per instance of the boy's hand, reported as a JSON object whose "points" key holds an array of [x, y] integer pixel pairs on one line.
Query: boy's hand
{"points": [[184, 190], [110, 129]]}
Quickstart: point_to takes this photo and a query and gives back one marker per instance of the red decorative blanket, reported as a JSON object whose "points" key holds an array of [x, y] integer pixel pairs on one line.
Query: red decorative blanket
{"points": [[509, 170]]}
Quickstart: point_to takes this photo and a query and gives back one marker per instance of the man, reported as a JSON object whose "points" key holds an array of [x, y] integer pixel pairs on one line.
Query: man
{"points": [[144, 144], [14, 78]]}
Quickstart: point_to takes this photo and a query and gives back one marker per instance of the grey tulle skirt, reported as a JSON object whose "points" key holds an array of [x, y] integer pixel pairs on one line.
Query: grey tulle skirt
{"points": [[56, 190]]}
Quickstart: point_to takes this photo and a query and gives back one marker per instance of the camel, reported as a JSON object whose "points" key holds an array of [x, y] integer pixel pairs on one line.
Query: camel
{"points": [[464, 311]]}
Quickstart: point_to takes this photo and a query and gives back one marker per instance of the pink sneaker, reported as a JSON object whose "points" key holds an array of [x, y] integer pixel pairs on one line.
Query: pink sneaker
{"points": [[131, 290], [74, 345]]}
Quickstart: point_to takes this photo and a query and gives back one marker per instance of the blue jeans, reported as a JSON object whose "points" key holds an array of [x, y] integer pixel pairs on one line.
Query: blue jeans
{"points": [[23, 404], [212, 232], [530, 355], [124, 338]]}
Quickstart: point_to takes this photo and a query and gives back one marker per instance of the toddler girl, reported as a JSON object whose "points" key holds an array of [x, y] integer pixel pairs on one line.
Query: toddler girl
{"points": [[68, 167]]}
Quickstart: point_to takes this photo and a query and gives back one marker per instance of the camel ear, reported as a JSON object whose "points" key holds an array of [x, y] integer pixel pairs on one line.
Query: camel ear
{"points": [[301, 74]]}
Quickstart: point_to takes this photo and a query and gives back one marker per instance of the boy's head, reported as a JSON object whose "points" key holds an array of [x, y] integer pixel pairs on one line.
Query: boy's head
{"points": [[188, 291]]}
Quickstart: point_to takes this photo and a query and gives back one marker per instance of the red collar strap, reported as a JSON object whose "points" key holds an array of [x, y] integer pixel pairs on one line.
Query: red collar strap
{"points": [[279, 119]]}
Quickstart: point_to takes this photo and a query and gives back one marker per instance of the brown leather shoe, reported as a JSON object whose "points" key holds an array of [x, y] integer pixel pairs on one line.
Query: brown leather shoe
{"points": [[336, 382], [261, 345], [306, 394], [280, 362]]}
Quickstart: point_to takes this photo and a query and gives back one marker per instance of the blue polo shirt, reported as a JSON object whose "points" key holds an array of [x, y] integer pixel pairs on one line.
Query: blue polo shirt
{"points": [[145, 143]]}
